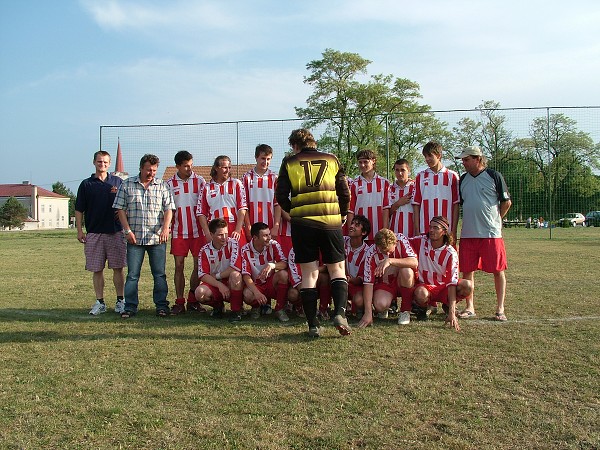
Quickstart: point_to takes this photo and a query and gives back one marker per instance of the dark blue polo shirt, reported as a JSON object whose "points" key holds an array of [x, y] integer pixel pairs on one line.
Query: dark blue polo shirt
{"points": [[95, 199]]}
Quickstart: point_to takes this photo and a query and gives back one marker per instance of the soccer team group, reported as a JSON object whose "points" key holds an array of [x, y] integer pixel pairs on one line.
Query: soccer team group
{"points": [[397, 240]]}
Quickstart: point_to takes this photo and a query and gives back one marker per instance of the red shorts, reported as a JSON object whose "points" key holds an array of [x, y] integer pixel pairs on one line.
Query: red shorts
{"points": [[216, 294], [286, 244], [391, 286], [354, 289], [181, 246], [267, 289], [439, 293], [487, 254]]}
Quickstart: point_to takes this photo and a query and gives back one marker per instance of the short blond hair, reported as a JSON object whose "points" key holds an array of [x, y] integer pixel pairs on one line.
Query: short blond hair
{"points": [[385, 239]]}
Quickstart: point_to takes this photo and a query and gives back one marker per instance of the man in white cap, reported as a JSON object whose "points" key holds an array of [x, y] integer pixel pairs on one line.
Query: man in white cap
{"points": [[485, 201]]}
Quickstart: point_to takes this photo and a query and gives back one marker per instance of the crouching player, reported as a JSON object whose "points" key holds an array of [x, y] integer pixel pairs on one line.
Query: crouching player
{"points": [[356, 248], [438, 271], [263, 272], [219, 272], [389, 270], [323, 286]]}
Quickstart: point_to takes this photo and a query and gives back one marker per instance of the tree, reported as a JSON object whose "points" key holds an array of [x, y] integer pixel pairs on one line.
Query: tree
{"points": [[382, 113], [60, 188], [13, 214]]}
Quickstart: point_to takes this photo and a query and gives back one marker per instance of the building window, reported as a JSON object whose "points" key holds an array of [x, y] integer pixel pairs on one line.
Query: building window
{"points": [[50, 223], [50, 208], [42, 208], [43, 223]]}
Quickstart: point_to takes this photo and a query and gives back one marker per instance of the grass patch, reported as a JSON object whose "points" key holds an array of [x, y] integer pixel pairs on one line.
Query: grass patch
{"points": [[69, 380]]}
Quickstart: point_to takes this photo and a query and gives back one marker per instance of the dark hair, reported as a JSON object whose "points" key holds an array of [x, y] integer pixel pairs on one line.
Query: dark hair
{"points": [[182, 156], [445, 224], [216, 224], [401, 161], [364, 223], [433, 148], [101, 152], [365, 154], [303, 138], [217, 163], [148, 158], [263, 148], [257, 227]]}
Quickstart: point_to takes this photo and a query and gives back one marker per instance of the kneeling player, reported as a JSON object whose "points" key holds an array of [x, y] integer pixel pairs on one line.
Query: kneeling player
{"points": [[389, 270], [219, 272], [438, 271], [263, 271], [356, 248]]}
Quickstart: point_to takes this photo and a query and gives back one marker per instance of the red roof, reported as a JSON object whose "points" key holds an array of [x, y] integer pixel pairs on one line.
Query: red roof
{"points": [[204, 171], [25, 190]]}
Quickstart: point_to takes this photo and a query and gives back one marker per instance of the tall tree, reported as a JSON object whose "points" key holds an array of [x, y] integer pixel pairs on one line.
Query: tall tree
{"points": [[13, 214], [60, 188]]}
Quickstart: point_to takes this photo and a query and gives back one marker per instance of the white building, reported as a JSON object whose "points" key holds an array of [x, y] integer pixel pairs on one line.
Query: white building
{"points": [[47, 210]]}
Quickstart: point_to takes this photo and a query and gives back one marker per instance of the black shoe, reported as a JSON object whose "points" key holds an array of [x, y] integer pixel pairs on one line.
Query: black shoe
{"points": [[217, 313], [265, 310], [235, 317], [421, 313]]}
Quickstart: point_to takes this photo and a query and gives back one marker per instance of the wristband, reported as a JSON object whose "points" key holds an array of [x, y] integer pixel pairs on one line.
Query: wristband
{"points": [[126, 232], [218, 276]]}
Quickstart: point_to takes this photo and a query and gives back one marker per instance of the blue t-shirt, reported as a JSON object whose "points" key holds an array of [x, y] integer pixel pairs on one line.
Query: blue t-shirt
{"points": [[95, 199]]}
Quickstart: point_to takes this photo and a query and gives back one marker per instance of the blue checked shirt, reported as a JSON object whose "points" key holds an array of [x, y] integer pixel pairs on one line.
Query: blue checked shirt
{"points": [[145, 208]]}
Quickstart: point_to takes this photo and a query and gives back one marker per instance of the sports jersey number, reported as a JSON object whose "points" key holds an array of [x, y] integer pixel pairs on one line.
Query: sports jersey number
{"points": [[308, 171]]}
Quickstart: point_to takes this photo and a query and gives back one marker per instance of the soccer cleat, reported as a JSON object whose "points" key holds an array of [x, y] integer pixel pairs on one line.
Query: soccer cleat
{"points": [[178, 308], [314, 332], [404, 318], [98, 308], [323, 316], [120, 306], [255, 313], [195, 307], [235, 317], [265, 310], [421, 313], [217, 313], [282, 316], [341, 324], [383, 315]]}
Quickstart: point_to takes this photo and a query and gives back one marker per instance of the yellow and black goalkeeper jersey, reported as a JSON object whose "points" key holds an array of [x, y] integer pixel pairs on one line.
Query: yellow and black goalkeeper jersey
{"points": [[313, 189]]}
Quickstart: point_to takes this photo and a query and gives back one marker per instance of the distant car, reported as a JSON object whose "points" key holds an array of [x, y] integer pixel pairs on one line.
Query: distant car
{"points": [[592, 219], [572, 219]]}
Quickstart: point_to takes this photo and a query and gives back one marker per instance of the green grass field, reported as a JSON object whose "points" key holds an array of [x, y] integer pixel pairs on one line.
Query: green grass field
{"points": [[70, 380]]}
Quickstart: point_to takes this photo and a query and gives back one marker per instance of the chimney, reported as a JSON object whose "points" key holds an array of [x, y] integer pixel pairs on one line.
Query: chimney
{"points": [[26, 182], [119, 167]]}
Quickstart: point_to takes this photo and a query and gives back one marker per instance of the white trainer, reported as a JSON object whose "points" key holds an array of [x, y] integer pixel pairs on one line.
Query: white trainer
{"points": [[282, 316], [404, 318], [98, 308], [120, 306]]}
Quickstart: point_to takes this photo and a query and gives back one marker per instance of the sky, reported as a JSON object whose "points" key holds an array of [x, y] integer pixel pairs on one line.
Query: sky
{"points": [[68, 66]]}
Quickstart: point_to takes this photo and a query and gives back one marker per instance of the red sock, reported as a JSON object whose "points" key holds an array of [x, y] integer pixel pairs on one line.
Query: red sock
{"points": [[407, 297], [324, 297], [180, 301], [236, 300], [280, 296]]}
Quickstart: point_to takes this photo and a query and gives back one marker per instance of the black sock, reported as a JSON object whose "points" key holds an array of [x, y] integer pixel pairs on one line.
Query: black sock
{"points": [[120, 298], [339, 292], [101, 300], [309, 298]]}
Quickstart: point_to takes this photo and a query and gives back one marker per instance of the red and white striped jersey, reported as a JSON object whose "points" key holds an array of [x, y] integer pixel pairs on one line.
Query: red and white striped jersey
{"points": [[437, 266], [355, 258], [253, 261], [212, 261], [435, 193], [185, 194], [222, 200], [401, 221], [369, 198], [374, 256], [260, 196], [294, 271]]}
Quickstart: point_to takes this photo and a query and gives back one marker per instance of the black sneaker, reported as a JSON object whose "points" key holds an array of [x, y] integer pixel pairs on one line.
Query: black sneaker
{"points": [[217, 313], [421, 313], [235, 317], [314, 332], [265, 310]]}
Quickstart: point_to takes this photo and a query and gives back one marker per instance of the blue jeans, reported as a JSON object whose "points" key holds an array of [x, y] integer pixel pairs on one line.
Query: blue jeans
{"points": [[157, 255]]}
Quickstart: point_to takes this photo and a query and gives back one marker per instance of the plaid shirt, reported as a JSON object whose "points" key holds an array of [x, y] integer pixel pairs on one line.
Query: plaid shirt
{"points": [[145, 208]]}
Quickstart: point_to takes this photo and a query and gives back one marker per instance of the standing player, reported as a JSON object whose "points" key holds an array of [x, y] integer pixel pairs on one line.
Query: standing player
{"points": [[400, 196], [436, 192], [264, 271], [389, 270], [369, 194], [103, 241], [223, 197], [259, 185], [313, 189], [438, 273], [485, 201], [356, 249], [187, 235], [219, 272]]}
